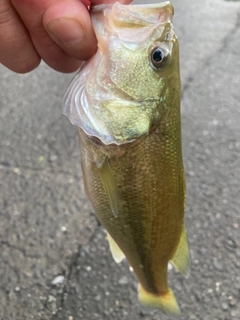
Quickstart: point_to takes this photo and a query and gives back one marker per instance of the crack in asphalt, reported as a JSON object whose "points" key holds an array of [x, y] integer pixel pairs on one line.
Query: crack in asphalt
{"points": [[21, 250], [208, 60], [72, 265], [49, 170]]}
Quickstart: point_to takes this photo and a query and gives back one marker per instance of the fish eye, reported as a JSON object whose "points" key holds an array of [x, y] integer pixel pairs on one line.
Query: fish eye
{"points": [[159, 57]]}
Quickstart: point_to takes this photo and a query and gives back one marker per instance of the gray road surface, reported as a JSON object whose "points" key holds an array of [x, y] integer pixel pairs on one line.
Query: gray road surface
{"points": [[48, 228]]}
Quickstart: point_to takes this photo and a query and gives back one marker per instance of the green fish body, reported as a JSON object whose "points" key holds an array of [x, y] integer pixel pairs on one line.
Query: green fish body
{"points": [[126, 102]]}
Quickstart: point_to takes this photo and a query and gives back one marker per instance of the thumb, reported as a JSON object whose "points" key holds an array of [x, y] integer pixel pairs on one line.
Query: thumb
{"points": [[68, 23]]}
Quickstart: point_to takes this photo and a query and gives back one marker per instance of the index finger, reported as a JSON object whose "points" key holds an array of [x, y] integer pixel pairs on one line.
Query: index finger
{"points": [[59, 57]]}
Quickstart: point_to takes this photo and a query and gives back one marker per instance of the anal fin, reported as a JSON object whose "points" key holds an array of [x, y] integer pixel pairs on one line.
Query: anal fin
{"points": [[117, 253], [166, 302], [181, 258], [109, 185]]}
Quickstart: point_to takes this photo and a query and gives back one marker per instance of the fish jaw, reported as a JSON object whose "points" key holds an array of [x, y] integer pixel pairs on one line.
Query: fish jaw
{"points": [[118, 95]]}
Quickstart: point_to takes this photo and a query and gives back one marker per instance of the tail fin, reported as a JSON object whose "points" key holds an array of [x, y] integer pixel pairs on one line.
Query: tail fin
{"points": [[166, 302]]}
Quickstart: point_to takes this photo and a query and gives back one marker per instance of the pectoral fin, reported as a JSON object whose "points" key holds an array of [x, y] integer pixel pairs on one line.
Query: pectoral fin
{"points": [[181, 258], [85, 182], [117, 253], [109, 185]]}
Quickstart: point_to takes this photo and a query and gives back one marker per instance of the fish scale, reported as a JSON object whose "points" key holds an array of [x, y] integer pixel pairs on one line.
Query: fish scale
{"points": [[140, 204]]}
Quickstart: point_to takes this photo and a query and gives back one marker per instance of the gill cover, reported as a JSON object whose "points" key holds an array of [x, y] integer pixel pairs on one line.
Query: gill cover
{"points": [[118, 95]]}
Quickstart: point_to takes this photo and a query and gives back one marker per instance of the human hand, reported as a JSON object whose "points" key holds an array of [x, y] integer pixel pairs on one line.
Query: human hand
{"points": [[58, 32]]}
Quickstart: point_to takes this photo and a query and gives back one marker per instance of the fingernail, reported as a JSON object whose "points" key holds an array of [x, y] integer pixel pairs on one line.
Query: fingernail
{"points": [[68, 31]]}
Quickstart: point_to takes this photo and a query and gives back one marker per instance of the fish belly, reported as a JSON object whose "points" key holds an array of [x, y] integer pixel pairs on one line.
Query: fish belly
{"points": [[148, 182]]}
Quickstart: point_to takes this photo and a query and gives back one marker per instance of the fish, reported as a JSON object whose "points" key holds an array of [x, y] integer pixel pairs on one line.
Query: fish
{"points": [[125, 101]]}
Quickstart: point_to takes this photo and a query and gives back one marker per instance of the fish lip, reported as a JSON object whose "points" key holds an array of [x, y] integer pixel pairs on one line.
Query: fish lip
{"points": [[138, 13], [100, 7]]}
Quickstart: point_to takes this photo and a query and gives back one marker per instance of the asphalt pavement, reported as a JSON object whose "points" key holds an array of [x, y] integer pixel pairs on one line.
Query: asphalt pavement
{"points": [[55, 262]]}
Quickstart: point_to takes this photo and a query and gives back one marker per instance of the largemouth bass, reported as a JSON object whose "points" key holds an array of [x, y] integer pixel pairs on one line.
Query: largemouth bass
{"points": [[126, 103]]}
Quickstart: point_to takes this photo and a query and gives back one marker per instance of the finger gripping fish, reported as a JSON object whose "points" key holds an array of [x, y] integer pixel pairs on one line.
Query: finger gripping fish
{"points": [[126, 103]]}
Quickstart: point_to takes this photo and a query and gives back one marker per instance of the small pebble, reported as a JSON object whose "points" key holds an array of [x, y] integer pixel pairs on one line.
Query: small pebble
{"points": [[16, 170], [217, 265], [97, 298], [218, 284], [53, 158], [224, 306], [231, 301], [58, 280], [123, 280], [51, 299], [231, 243], [17, 289], [63, 229], [235, 313]]}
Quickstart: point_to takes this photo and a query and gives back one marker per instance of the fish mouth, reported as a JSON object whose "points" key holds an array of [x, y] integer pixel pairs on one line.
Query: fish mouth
{"points": [[139, 8], [131, 16]]}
